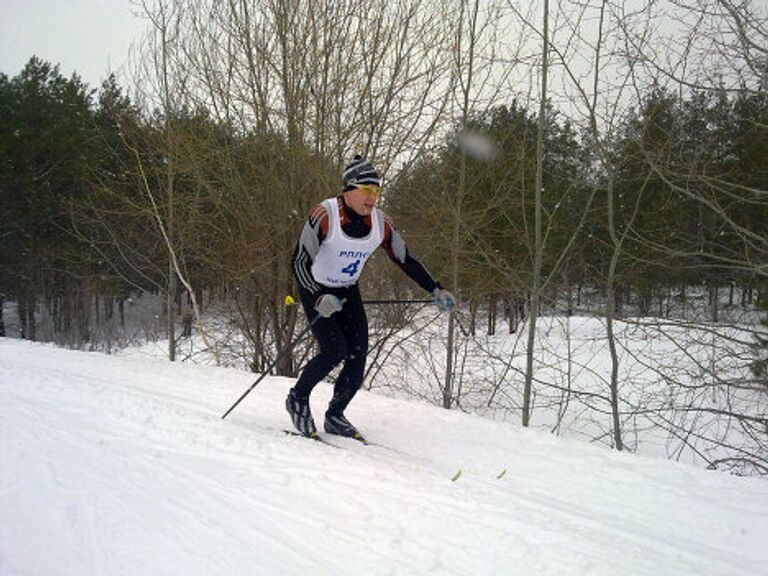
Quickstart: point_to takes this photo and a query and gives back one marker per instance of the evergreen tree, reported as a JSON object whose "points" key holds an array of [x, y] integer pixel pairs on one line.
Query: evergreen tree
{"points": [[46, 145]]}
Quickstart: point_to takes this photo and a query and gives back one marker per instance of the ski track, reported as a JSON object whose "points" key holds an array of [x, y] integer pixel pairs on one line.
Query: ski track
{"points": [[123, 466]]}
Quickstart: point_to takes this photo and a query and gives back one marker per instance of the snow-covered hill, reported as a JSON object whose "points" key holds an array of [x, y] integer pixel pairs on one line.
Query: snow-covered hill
{"points": [[123, 466]]}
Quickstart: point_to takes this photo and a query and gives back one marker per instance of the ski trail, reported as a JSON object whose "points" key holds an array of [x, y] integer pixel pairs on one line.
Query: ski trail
{"points": [[124, 467]]}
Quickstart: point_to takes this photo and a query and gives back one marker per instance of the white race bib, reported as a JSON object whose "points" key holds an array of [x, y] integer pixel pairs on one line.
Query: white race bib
{"points": [[341, 259]]}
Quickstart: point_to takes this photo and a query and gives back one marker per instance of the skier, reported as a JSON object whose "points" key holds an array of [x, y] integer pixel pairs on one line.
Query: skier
{"points": [[338, 237]]}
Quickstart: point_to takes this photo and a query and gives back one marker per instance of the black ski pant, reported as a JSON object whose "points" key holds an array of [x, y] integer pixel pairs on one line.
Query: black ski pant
{"points": [[343, 337]]}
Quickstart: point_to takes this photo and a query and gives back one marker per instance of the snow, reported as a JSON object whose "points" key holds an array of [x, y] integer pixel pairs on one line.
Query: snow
{"points": [[679, 383], [123, 466]]}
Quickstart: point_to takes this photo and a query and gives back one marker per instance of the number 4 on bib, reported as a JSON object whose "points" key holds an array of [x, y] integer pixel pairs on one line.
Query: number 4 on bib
{"points": [[352, 268]]}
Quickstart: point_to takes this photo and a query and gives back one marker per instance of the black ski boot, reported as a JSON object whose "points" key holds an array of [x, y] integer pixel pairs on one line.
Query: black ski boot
{"points": [[301, 415], [337, 424]]}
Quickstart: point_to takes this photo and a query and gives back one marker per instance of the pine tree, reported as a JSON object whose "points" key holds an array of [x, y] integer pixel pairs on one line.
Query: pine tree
{"points": [[46, 146]]}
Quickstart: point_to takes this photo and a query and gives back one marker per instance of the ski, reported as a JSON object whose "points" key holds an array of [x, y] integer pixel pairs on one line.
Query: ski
{"points": [[364, 441], [359, 438], [315, 438]]}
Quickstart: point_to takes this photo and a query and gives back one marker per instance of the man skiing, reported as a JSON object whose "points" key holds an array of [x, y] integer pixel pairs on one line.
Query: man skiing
{"points": [[339, 236]]}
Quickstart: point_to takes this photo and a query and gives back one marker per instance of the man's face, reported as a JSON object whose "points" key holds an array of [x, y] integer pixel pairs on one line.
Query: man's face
{"points": [[362, 199]]}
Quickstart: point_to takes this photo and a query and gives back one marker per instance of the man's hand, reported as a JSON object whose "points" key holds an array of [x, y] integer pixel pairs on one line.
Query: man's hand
{"points": [[328, 305], [444, 299]]}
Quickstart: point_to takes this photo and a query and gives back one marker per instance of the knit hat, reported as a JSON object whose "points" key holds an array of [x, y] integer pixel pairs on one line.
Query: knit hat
{"points": [[359, 172]]}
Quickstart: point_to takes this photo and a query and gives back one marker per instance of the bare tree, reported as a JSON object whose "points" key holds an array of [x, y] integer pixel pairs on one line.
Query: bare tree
{"points": [[318, 80]]}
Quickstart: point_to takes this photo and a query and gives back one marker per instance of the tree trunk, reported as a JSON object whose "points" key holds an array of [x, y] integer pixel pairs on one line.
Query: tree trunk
{"points": [[121, 310], [186, 331], [617, 301], [612, 302], [460, 193], [30, 326], [83, 317], [66, 314], [565, 395], [492, 302], [172, 279], [714, 304], [618, 442], [517, 313], [644, 297], [170, 313], [169, 153], [537, 255], [109, 308], [53, 312], [21, 312]]}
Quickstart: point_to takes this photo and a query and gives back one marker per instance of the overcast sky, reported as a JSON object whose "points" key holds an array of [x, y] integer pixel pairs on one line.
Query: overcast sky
{"points": [[91, 37]]}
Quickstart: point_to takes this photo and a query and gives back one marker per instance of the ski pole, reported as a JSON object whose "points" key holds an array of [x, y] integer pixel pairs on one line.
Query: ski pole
{"points": [[397, 301], [274, 363], [461, 326]]}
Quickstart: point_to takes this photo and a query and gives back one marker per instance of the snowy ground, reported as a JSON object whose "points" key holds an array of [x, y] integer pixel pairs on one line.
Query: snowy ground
{"points": [[122, 466]]}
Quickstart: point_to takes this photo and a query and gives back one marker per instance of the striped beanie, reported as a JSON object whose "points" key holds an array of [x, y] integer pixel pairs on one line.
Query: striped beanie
{"points": [[359, 172]]}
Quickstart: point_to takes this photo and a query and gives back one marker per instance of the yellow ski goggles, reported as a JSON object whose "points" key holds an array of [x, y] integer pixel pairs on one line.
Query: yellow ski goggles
{"points": [[369, 189]]}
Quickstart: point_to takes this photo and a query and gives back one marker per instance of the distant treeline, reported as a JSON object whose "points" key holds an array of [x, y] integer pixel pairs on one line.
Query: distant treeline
{"points": [[95, 189]]}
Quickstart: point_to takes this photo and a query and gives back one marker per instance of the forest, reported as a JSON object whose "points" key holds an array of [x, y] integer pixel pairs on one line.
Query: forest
{"points": [[602, 161]]}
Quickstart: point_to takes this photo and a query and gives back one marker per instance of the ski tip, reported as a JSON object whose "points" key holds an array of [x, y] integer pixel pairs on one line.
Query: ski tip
{"points": [[456, 476], [501, 474]]}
